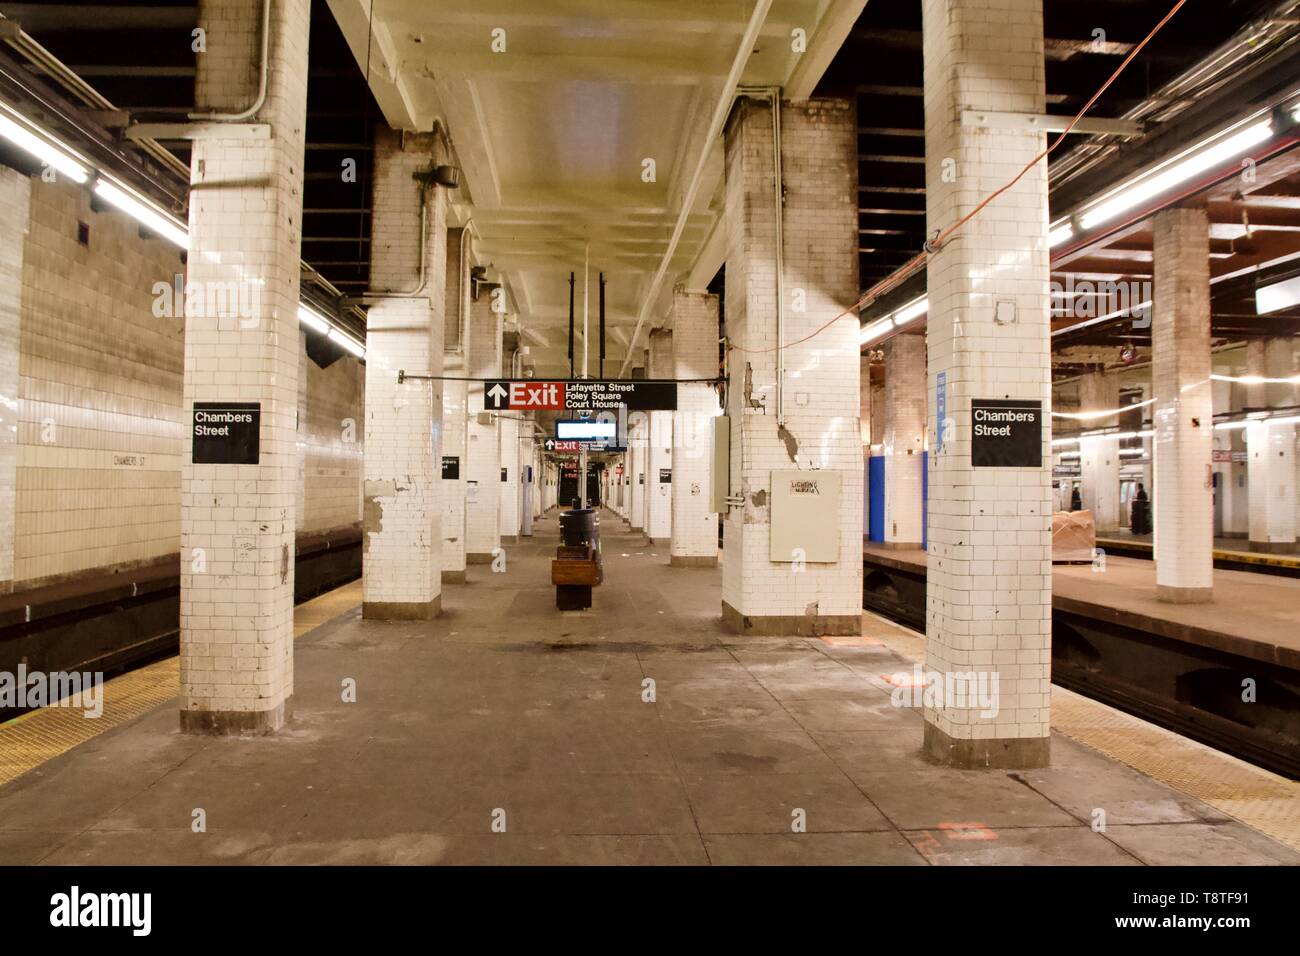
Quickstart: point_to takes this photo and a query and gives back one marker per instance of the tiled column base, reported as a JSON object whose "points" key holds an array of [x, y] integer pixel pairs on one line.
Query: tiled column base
{"points": [[401, 610], [1176, 595], [693, 561], [793, 625], [1004, 753], [235, 723]]}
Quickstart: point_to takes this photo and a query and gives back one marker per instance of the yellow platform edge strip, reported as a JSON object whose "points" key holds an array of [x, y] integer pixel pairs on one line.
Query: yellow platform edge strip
{"points": [[1262, 800], [28, 741]]}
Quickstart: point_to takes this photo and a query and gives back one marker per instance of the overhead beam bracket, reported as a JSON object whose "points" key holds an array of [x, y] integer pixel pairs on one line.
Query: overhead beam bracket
{"points": [[1042, 122]]}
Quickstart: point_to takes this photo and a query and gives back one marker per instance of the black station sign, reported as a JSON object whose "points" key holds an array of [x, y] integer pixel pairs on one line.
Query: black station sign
{"points": [[226, 433], [451, 467], [1006, 433], [665, 476], [581, 395]]}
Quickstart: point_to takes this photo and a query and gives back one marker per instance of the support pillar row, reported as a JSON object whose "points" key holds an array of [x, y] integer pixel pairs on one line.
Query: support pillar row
{"points": [[237, 520], [1184, 407], [401, 506], [695, 355], [796, 458], [988, 587]]}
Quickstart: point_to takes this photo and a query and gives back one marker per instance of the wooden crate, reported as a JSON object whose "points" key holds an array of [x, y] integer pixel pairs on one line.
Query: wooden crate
{"points": [[570, 571]]}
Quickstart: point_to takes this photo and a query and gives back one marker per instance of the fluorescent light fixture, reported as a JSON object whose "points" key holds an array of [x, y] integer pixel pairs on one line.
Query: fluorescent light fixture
{"points": [[1257, 379], [1059, 234], [1104, 413], [1230, 426], [142, 212], [1131, 452], [1068, 454], [1280, 295], [911, 311], [347, 342], [579, 429], [1194, 162], [42, 149], [869, 333], [1064, 441], [313, 321]]}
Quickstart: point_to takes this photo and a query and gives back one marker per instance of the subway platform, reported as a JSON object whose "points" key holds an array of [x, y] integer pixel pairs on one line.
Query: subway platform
{"points": [[638, 732]]}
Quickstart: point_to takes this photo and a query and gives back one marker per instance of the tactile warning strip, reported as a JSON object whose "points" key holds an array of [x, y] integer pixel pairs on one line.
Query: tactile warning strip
{"points": [[1258, 798], [32, 739], [28, 741]]}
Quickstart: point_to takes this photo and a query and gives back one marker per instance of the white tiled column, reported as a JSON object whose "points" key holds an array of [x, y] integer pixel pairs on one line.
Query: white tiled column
{"points": [[402, 564], [904, 440], [237, 520], [638, 440], [454, 398], [1183, 417], [15, 212], [527, 485], [483, 478], [864, 428], [820, 432], [988, 586], [1099, 455], [659, 498], [1271, 450], [509, 427], [695, 355]]}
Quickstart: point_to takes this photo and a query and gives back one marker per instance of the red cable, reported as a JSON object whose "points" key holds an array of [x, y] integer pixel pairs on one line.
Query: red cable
{"points": [[906, 270]]}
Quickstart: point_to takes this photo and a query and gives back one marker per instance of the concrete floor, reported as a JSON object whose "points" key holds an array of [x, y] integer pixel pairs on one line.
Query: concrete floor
{"points": [[505, 704]]}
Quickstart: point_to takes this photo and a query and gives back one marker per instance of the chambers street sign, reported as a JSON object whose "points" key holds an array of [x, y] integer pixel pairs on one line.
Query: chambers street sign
{"points": [[1006, 433]]}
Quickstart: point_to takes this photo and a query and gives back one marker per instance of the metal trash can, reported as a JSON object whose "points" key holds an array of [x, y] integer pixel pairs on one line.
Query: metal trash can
{"points": [[579, 527]]}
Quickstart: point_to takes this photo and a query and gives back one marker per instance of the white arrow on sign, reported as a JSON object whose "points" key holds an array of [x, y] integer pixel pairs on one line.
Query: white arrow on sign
{"points": [[497, 393], [550, 444]]}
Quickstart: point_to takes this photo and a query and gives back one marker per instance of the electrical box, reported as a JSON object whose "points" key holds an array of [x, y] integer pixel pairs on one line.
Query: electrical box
{"points": [[805, 516], [721, 471]]}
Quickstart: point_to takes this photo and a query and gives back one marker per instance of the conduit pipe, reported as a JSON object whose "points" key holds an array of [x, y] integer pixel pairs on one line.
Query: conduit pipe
{"points": [[720, 111], [263, 73]]}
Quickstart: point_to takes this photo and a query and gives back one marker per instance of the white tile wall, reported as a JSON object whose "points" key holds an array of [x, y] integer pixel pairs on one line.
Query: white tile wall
{"points": [[821, 431], [482, 507], [695, 355], [1099, 457], [245, 227], [1271, 449], [454, 399], [509, 429], [98, 403], [904, 438], [1180, 375], [331, 436], [659, 460], [989, 581], [15, 209], [403, 461]]}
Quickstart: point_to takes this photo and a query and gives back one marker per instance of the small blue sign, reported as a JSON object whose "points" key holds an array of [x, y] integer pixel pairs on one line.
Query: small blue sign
{"points": [[940, 407]]}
